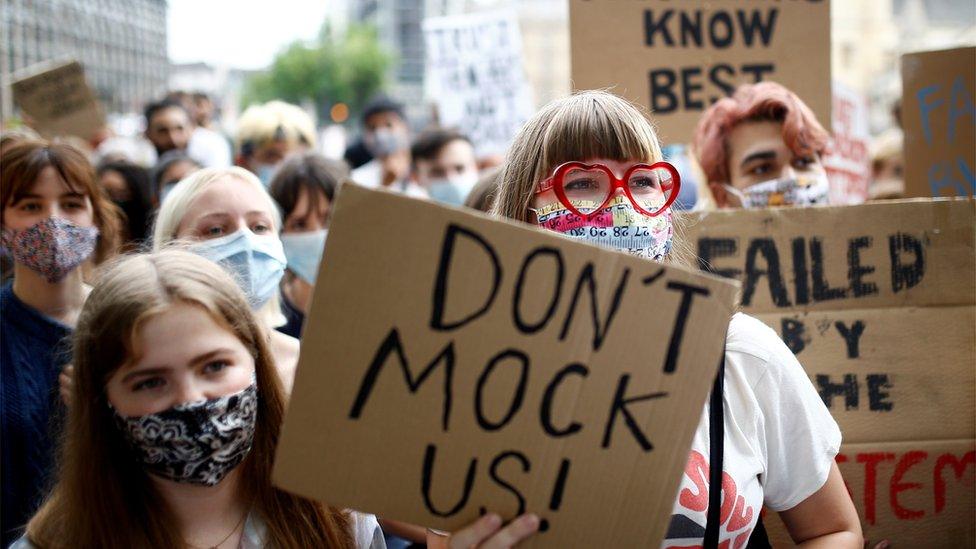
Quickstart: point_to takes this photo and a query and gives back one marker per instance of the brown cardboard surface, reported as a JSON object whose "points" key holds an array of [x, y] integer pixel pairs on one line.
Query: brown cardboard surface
{"points": [[630, 45], [914, 494], [938, 89], [890, 374], [378, 283], [58, 100], [854, 257]]}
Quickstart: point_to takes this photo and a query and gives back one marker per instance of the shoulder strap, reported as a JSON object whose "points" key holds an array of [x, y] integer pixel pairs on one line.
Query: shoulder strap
{"points": [[716, 451]]}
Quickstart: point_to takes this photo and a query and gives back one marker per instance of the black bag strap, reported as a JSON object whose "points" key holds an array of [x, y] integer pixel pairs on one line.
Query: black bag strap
{"points": [[716, 453]]}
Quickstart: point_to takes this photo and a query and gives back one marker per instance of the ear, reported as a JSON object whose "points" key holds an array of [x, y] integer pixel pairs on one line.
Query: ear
{"points": [[720, 195]]}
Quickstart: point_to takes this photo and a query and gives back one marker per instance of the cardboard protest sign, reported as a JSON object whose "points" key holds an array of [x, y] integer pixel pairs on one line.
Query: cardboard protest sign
{"points": [[677, 58], [939, 119], [475, 77], [454, 363], [848, 161], [877, 302], [58, 100]]}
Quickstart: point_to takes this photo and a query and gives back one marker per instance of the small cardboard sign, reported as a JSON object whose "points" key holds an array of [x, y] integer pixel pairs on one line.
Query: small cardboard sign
{"points": [[677, 58], [475, 76], [878, 302], [848, 161], [57, 99], [939, 119], [454, 363]]}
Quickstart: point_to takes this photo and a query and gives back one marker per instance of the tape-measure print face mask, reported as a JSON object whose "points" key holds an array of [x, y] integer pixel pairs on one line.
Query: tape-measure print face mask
{"points": [[588, 202]]}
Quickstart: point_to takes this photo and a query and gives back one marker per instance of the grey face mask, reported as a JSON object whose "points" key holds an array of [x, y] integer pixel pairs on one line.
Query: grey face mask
{"points": [[196, 442], [384, 142]]}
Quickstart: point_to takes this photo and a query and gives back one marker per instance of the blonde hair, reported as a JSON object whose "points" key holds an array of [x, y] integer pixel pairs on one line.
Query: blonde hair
{"points": [[179, 200], [585, 125], [105, 498], [273, 121]]}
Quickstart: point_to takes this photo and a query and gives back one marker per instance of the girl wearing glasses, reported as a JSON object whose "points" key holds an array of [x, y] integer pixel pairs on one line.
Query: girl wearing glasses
{"points": [[589, 166]]}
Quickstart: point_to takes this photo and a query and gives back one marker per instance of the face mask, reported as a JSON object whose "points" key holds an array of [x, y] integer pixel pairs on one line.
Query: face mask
{"points": [[53, 247], [618, 226], [197, 442], [266, 173], [257, 262], [304, 252], [804, 190], [385, 142], [453, 190]]}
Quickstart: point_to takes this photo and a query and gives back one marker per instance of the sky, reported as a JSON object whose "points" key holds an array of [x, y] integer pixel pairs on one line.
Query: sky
{"points": [[243, 34]]}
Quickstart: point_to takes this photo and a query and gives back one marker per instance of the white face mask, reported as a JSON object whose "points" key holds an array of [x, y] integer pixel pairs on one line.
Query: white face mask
{"points": [[803, 190], [453, 190]]}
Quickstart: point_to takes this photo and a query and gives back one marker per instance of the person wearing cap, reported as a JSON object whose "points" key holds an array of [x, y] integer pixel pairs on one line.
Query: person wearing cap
{"points": [[387, 137]]}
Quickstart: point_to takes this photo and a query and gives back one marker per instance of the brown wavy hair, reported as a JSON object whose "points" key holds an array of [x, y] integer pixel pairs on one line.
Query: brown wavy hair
{"points": [[23, 161], [104, 498]]}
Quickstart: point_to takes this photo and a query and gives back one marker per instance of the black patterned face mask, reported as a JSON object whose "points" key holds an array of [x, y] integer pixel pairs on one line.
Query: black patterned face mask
{"points": [[196, 442]]}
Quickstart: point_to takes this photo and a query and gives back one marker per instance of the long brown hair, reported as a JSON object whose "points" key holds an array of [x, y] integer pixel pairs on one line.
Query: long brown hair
{"points": [[23, 162], [589, 124], [104, 498]]}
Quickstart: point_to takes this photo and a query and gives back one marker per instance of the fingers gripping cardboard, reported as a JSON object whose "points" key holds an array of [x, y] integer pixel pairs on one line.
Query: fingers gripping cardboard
{"points": [[454, 364]]}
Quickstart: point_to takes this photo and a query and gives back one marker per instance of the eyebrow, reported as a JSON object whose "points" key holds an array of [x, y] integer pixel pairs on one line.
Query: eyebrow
{"points": [[142, 372], [32, 196], [760, 155]]}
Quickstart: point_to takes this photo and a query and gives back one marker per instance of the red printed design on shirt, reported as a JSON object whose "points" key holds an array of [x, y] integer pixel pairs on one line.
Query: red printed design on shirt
{"points": [[685, 531]]}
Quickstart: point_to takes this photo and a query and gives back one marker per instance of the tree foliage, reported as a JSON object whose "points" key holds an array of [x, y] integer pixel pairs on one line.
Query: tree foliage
{"points": [[331, 69]]}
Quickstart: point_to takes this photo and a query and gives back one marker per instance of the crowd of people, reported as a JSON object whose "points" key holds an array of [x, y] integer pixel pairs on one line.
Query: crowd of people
{"points": [[154, 298]]}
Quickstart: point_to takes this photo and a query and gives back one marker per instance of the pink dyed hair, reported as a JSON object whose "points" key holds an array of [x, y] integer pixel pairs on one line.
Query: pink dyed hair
{"points": [[802, 133]]}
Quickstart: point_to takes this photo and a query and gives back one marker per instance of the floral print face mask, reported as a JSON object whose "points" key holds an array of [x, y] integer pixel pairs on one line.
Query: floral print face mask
{"points": [[196, 442], [53, 247]]}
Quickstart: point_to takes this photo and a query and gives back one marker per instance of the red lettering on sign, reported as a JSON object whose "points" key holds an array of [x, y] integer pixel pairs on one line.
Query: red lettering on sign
{"points": [[958, 466], [897, 486], [871, 461]]}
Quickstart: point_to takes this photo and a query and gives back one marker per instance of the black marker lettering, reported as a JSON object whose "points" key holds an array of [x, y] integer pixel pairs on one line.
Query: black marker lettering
{"points": [[557, 288], [905, 275], [523, 360], [390, 345], [620, 405], [426, 482], [599, 332], [549, 396], [777, 288], [877, 398], [852, 336], [437, 321], [847, 389], [652, 27], [688, 293], [856, 272], [493, 472], [821, 288]]}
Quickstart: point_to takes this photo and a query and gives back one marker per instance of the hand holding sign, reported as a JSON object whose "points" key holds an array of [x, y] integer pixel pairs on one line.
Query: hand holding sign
{"points": [[465, 364]]}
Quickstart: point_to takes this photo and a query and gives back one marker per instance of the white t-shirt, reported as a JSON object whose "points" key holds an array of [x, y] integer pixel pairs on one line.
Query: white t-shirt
{"points": [[780, 440], [370, 175]]}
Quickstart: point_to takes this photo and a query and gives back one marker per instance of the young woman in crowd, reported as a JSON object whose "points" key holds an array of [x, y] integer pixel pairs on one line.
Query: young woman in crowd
{"points": [[595, 152], [762, 147], [227, 216], [177, 409], [54, 218], [127, 184], [304, 187]]}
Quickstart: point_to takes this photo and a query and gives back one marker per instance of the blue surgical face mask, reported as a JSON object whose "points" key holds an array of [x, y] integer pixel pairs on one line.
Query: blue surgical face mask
{"points": [[256, 262], [266, 173], [453, 190], [304, 253]]}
